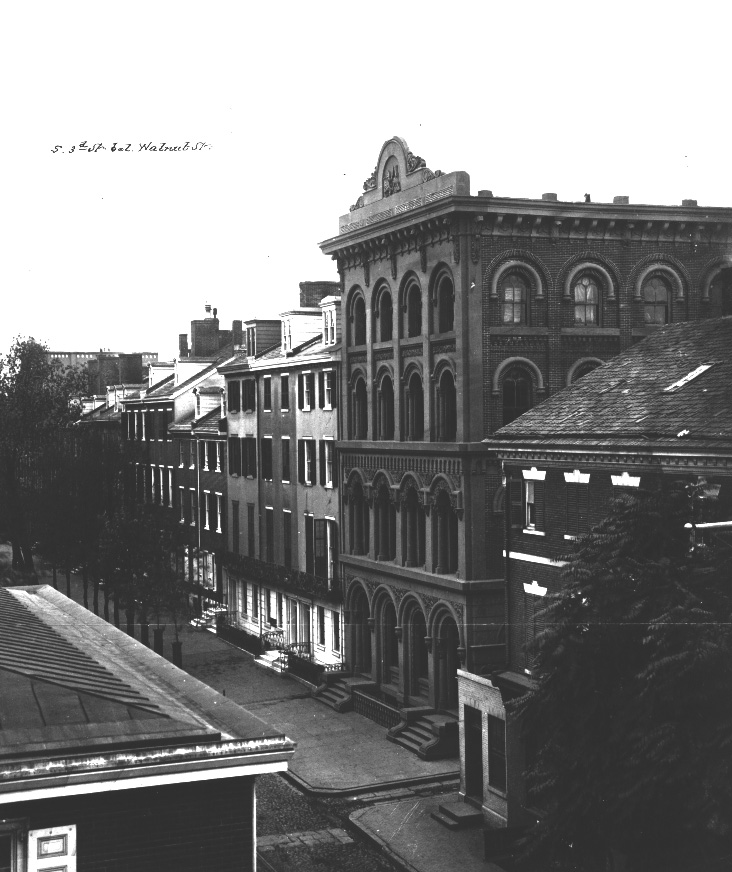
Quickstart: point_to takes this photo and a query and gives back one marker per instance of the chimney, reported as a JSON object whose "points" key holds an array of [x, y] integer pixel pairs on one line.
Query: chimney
{"points": [[183, 345], [552, 197], [689, 203], [621, 201], [208, 310]]}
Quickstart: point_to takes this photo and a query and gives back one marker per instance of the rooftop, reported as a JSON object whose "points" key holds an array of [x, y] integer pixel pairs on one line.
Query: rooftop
{"points": [[674, 388]]}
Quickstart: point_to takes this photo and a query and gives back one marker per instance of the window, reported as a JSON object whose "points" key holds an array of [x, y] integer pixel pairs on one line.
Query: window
{"points": [[359, 425], [181, 495], [326, 398], [206, 501], [358, 516], [656, 296], [413, 529], [332, 328], [269, 532], [234, 395], [533, 505], [385, 409], [248, 395], [11, 847], [445, 305], [194, 506], [386, 317], [514, 296], [251, 341], [203, 455], [359, 321], [335, 620], [217, 452], [250, 530], [191, 455], [413, 306], [415, 409], [309, 544], [285, 459], [181, 454], [331, 534], [255, 601], [306, 461], [287, 537], [306, 391], [321, 626], [578, 503], [384, 524], [496, 753], [267, 391], [267, 474], [234, 456], [285, 393], [446, 408], [516, 393], [326, 462], [445, 535], [235, 526], [219, 513], [320, 548], [249, 456], [586, 301]]}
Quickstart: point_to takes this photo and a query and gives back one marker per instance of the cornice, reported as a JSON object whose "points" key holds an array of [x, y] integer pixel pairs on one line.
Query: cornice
{"points": [[656, 459]]}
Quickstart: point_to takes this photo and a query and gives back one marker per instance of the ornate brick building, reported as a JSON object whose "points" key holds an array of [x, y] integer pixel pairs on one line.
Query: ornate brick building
{"points": [[460, 313]]}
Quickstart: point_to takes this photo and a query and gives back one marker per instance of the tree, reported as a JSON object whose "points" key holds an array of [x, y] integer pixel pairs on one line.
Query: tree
{"points": [[34, 406], [631, 718]]}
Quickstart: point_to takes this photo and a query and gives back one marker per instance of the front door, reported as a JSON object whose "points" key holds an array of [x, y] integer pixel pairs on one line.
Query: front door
{"points": [[473, 752]]}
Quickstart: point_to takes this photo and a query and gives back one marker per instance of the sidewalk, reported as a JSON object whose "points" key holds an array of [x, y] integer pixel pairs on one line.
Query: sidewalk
{"points": [[337, 754]]}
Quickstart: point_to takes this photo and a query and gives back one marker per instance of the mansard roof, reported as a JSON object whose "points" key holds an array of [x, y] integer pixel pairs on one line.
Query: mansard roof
{"points": [[671, 390]]}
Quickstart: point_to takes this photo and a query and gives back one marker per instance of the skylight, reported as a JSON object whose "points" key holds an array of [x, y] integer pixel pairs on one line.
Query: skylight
{"points": [[677, 385]]}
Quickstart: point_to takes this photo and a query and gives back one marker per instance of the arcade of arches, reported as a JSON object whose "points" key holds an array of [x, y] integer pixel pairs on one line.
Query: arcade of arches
{"points": [[414, 662]]}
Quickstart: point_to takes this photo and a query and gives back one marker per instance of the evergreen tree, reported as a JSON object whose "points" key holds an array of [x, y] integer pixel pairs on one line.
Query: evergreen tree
{"points": [[631, 718]]}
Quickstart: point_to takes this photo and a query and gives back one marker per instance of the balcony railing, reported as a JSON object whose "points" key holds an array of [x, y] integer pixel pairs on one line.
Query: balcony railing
{"points": [[293, 580]]}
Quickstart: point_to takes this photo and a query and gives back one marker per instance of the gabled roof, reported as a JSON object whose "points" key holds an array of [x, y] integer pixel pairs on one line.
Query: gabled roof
{"points": [[82, 702], [208, 423], [673, 388]]}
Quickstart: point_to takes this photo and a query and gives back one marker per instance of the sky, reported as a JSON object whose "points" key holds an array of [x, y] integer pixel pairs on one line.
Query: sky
{"points": [[121, 250]]}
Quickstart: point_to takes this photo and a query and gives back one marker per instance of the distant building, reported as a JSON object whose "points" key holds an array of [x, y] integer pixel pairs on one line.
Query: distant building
{"points": [[105, 367], [658, 413], [112, 758]]}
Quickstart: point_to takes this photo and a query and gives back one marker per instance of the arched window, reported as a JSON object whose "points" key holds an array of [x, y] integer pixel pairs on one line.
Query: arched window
{"points": [[583, 369], [414, 409], [386, 317], [445, 305], [445, 536], [514, 299], [413, 305], [656, 300], [385, 409], [446, 408], [359, 321], [413, 529], [360, 422], [586, 293], [384, 524], [358, 520], [516, 393]]}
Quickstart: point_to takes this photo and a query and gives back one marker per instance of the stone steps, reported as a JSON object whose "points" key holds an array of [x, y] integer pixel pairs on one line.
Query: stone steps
{"points": [[457, 815]]}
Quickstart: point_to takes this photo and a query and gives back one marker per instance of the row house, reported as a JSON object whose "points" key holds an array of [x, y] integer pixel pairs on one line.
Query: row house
{"points": [[657, 414], [282, 498], [461, 313], [176, 454]]}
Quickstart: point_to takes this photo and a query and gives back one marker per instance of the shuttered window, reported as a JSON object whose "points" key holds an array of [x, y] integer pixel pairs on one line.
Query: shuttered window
{"points": [[578, 509]]}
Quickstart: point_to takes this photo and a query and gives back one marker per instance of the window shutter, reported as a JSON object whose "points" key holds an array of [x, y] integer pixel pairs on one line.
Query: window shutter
{"points": [[516, 487], [583, 508], [309, 543], [335, 466], [310, 445], [322, 461], [300, 392], [201, 454], [311, 384], [333, 390], [539, 489], [253, 458], [301, 461], [321, 389], [321, 552], [571, 522]]}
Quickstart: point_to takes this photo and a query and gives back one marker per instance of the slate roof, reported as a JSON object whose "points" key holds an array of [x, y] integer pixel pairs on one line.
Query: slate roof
{"points": [[209, 423], [71, 684], [654, 393]]}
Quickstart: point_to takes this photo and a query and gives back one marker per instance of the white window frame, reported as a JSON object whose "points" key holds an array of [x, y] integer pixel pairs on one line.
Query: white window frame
{"points": [[206, 525], [328, 389], [308, 402], [266, 379], [204, 442], [286, 439], [309, 464], [329, 447], [192, 454], [181, 453], [218, 456], [219, 512], [181, 492]]}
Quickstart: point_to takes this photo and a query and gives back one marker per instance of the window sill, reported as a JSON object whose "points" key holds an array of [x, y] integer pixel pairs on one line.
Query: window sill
{"points": [[648, 330], [531, 532], [571, 537], [590, 331], [518, 329]]}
